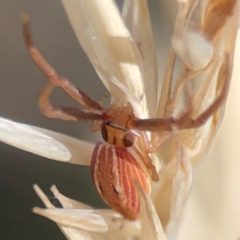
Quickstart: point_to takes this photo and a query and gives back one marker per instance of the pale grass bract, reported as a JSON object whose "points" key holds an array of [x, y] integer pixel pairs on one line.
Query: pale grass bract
{"points": [[206, 55]]}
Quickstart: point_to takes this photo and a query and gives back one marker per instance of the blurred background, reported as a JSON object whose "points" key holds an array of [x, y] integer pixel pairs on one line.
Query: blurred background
{"points": [[213, 211]]}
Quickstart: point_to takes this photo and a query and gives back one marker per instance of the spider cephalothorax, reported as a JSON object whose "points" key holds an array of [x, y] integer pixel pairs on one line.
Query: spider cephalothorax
{"points": [[117, 161], [115, 129]]}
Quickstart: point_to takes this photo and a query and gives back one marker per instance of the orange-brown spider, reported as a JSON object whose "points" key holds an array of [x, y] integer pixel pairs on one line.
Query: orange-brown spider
{"points": [[117, 160]]}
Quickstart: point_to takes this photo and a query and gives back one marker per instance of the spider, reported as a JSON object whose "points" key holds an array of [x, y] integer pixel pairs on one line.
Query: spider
{"points": [[117, 160]]}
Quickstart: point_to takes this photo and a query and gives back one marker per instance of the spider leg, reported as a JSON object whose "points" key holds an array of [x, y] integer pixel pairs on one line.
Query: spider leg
{"points": [[75, 93], [145, 143], [103, 98], [64, 113], [96, 125], [224, 75], [186, 122], [148, 148], [150, 167]]}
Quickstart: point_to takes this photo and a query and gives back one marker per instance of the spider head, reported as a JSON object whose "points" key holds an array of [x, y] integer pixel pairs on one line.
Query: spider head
{"points": [[117, 135]]}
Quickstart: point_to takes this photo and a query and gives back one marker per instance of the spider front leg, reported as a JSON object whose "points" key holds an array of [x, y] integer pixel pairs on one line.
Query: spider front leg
{"points": [[64, 113], [150, 148], [75, 93], [186, 122]]}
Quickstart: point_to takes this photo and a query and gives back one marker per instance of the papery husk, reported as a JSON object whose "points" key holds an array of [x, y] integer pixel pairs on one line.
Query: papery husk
{"points": [[170, 195], [185, 8], [110, 48], [216, 15], [45, 143], [205, 86], [181, 188], [151, 227], [194, 49], [137, 19], [77, 220], [215, 195], [226, 45]]}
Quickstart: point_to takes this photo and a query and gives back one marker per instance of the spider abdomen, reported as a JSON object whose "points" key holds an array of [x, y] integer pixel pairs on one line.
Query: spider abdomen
{"points": [[113, 171]]}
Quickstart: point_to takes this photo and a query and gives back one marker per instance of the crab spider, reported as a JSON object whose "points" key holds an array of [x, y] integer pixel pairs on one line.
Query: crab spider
{"points": [[117, 160]]}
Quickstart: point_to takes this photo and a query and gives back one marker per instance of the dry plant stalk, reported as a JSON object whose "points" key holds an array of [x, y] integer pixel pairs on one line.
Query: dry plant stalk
{"points": [[207, 52]]}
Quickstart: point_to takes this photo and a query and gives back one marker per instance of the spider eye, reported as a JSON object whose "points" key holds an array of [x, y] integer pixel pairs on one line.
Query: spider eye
{"points": [[108, 123], [104, 132], [128, 139]]}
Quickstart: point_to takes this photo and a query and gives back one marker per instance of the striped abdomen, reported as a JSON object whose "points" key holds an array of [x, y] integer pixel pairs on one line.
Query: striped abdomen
{"points": [[113, 169]]}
